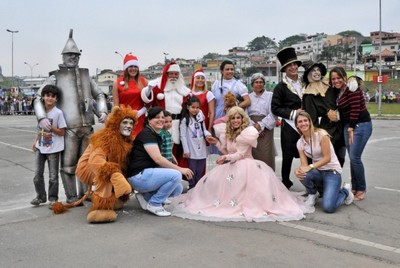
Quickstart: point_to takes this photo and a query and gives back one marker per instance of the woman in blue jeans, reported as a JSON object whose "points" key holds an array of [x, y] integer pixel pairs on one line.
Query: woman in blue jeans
{"points": [[357, 125], [325, 169], [151, 174]]}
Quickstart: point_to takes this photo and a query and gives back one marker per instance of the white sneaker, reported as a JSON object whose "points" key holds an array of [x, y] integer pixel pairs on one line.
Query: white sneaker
{"points": [[349, 199], [159, 211], [141, 200], [310, 201]]}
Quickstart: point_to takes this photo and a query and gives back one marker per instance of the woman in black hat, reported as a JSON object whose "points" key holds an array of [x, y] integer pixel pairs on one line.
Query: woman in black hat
{"points": [[319, 100]]}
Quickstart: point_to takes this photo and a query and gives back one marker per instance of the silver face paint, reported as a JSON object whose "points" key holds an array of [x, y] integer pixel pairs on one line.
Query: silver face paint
{"points": [[125, 127]]}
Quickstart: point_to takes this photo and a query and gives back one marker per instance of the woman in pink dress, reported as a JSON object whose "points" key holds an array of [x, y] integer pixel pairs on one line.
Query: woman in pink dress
{"points": [[127, 88], [240, 188]]}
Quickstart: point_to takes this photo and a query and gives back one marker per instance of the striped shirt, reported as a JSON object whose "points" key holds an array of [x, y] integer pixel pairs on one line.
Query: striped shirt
{"points": [[352, 108], [166, 146]]}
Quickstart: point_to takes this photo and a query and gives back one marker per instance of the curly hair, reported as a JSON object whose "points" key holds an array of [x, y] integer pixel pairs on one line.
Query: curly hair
{"points": [[231, 133]]}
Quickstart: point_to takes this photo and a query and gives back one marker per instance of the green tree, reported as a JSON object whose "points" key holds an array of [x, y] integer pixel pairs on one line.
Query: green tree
{"points": [[351, 33], [294, 39], [260, 43], [211, 56]]}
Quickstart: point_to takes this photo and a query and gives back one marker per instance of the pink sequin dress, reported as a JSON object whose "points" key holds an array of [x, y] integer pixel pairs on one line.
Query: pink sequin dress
{"points": [[244, 189]]}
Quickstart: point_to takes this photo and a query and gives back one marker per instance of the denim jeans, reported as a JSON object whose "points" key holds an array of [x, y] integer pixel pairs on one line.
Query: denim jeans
{"points": [[361, 134], [331, 182], [157, 184], [38, 180]]}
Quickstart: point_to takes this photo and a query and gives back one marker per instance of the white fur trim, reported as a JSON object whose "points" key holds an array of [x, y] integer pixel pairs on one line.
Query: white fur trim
{"points": [[199, 74], [160, 96], [174, 68], [147, 94], [131, 63]]}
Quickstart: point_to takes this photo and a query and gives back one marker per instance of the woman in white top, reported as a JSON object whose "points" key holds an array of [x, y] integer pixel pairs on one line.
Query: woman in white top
{"points": [[325, 169], [263, 120]]}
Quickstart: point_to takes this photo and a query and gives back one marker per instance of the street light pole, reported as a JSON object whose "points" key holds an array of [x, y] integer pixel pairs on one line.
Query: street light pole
{"points": [[12, 55], [31, 67], [380, 62], [165, 57], [116, 52], [269, 67]]}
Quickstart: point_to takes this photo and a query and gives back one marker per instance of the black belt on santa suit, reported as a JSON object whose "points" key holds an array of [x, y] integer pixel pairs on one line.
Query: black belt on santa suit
{"points": [[176, 116]]}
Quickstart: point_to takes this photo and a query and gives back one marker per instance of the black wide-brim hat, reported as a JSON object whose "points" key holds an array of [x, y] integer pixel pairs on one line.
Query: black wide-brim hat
{"points": [[308, 66], [286, 56]]}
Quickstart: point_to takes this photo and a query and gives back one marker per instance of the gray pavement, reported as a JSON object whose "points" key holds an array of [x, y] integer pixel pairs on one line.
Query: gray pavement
{"points": [[364, 234]]}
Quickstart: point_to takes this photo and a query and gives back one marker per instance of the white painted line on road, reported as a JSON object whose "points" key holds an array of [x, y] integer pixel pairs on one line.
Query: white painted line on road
{"points": [[15, 208], [383, 139], [15, 146], [387, 189], [21, 130], [341, 237]]}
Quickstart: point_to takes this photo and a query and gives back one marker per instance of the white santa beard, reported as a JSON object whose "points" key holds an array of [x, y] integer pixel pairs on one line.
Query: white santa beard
{"points": [[173, 101]]}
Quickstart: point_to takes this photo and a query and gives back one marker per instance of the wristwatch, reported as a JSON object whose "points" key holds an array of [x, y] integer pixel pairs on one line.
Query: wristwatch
{"points": [[311, 167]]}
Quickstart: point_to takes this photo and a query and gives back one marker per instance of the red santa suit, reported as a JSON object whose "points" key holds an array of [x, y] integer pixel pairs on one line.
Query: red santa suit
{"points": [[169, 96]]}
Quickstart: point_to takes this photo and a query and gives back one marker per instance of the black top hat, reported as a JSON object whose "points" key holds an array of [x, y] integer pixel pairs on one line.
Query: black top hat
{"points": [[309, 65], [286, 56]]}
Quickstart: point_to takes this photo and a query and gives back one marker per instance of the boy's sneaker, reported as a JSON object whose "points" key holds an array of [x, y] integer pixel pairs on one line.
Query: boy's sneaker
{"points": [[37, 201], [159, 211], [310, 201], [141, 200], [349, 199]]}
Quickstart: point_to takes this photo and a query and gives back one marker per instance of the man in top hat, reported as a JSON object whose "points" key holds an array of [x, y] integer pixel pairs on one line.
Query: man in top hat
{"points": [[170, 93], [78, 92], [286, 103]]}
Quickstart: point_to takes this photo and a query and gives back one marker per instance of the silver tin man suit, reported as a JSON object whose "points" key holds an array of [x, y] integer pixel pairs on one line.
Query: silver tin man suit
{"points": [[77, 92]]}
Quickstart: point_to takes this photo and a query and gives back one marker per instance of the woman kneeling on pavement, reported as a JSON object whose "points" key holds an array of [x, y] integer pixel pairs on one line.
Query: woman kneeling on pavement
{"points": [[325, 169], [152, 175]]}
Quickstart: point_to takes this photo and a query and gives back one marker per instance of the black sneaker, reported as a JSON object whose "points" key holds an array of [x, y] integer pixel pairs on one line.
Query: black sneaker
{"points": [[37, 201]]}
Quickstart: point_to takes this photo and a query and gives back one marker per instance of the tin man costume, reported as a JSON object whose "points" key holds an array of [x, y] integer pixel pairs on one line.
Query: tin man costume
{"points": [[78, 93]]}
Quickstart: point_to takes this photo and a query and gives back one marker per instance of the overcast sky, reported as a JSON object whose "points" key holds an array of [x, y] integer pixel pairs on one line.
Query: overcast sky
{"points": [[181, 28]]}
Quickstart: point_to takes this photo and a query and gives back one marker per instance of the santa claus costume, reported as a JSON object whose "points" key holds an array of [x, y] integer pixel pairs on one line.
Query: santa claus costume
{"points": [[170, 94]]}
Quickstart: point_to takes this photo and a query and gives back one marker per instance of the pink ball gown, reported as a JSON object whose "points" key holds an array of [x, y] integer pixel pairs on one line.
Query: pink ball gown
{"points": [[244, 189]]}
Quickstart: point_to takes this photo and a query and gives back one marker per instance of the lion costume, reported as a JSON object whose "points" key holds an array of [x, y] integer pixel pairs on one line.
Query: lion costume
{"points": [[103, 166]]}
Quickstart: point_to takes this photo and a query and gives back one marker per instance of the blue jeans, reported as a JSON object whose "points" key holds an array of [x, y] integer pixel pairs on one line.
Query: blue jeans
{"points": [[331, 182], [361, 135], [38, 180], [157, 184]]}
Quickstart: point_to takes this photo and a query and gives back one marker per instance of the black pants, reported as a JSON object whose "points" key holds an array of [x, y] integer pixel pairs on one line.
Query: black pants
{"points": [[289, 138]]}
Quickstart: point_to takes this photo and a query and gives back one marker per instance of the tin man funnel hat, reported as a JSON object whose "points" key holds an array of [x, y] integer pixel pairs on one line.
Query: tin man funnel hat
{"points": [[70, 46]]}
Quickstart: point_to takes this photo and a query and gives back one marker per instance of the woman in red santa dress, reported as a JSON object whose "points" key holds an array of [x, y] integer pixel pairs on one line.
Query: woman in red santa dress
{"points": [[127, 88], [240, 188]]}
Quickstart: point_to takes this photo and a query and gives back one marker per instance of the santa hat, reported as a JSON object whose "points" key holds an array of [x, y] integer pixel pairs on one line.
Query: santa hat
{"points": [[130, 60], [170, 67], [198, 72]]}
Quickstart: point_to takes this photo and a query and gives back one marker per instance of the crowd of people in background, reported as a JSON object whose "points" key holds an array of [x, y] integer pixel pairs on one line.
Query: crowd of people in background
{"points": [[16, 106]]}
